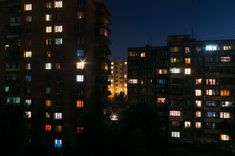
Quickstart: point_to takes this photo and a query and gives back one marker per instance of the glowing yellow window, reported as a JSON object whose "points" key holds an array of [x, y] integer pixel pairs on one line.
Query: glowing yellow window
{"points": [[28, 7], [224, 137], [187, 124], [224, 92], [187, 60], [80, 103], [80, 65], [198, 124], [48, 103], [48, 128]]}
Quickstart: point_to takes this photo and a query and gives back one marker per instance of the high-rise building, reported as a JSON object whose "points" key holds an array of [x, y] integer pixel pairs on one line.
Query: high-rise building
{"points": [[118, 77], [193, 79], [62, 62]]}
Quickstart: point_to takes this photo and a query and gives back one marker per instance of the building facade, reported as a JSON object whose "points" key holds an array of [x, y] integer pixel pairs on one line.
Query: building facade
{"points": [[62, 62], [199, 86]]}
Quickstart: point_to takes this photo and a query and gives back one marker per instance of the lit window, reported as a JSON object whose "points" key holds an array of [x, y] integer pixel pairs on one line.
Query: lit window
{"points": [[80, 103], [48, 128], [80, 15], [212, 47], [161, 100], [161, 71], [7, 88], [48, 66], [198, 114], [58, 66], [187, 71], [58, 128], [187, 50], [48, 41], [187, 60], [80, 129], [28, 66], [28, 7], [48, 115], [80, 65], [198, 81], [28, 19], [80, 53], [211, 81], [210, 92], [174, 49], [49, 5], [27, 54], [226, 103], [48, 54], [227, 47], [48, 103], [133, 81], [174, 113], [174, 60], [13, 100], [225, 59], [58, 4], [198, 92], [48, 17], [27, 114], [225, 115], [211, 114], [58, 28], [48, 90], [48, 29], [187, 124], [80, 78], [58, 41], [175, 70], [198, 124], [175, 134], [142, 54], [58, 143], [198, 103], [28, 102], [224, 92], [57, 116], [132, 54], [224, 137]]}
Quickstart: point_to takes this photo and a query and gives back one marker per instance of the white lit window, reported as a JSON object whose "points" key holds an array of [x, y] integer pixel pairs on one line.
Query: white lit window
{"points": [[187, 124], [58, 116], [224, 137], [48, 66], [198, 124], [58, 143], [48, 17], [227, 47], [80, 65], [211, 81], [28, 66], [27, 54], [28, 7], [58, 41], [187, 50], [225, 59], [198, 114], [175, 70], [198, 103], [225, 115], [174, 113], [133, 81], [198, 81], [48, 29], [187, 71], [212, 47], [80, 78], [58, 4], [28, 102], [7, 88], [175, 134], [226, 103], [58, 28], [27, 114], [198, 92]]}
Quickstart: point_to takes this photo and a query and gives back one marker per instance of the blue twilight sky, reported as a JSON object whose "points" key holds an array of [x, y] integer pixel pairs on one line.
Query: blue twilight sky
{"points": [[141, 22]]}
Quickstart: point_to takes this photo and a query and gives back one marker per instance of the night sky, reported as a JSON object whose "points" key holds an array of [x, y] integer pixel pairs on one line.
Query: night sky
{"points": [[135, 23]]}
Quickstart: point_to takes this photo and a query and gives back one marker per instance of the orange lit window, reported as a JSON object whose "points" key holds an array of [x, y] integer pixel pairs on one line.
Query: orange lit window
{"points": [[48, 128], [161, 100], [48, 103], [80, 129], [224, 92], [80, 103], [58, 128], [49, 54], [161, 71], [142, 54], [198, 81], [187, 61], [198, 114]]}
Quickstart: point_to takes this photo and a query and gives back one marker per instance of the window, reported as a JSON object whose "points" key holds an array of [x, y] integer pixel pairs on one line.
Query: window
{"points": [[224, 137], [211, 114], [142, 54], [225, 115], [198, 114], [174, 60], [27, 54], [187, 50], [28, 19], [225, 59], [211, 92], [80, 78], [48, 90], [161, 81], [187, 60], [224, 92], [227, 47], [175, 134], [80, 103], [28, 78], [80, 53], [28, 7], [187, 124], [58, 66], [58, 143], [174, 113], [198, 124], [48, 103], [48, 29], [49, 5], [226, 103], [80, 129], [28, 102], [48, 41], [198, 81], [133, 81], [211, 81], [58, 28], [198, 92], [27, 114], [80, 15], [80, 65], [175, 70], [48, 17], [174, 49], [13, 100], [58, 4], [212, 48], [58, 128], [48, 54], [48, 66], [187, 71], [58, 41], [58, 116], [161, 100], [198, 103], [48, 128], [161, 71], [132, 54], [28, 66]]}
